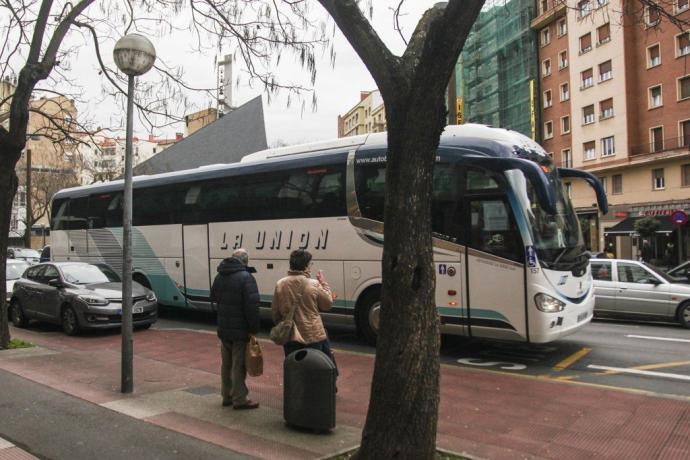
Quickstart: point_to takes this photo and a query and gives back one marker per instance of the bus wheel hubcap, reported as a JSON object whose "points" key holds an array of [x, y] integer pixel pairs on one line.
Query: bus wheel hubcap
{"points": [[375, 316]]}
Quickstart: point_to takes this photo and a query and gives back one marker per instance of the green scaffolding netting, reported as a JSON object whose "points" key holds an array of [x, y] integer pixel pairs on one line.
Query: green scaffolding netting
{"points": [[497, 63]]}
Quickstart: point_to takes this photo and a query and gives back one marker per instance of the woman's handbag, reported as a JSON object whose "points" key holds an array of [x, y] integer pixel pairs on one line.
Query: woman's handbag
{"points": [[254, 358], [282, 332]]}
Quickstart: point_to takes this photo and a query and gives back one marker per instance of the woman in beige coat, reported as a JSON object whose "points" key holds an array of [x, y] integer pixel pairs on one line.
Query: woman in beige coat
{"points": [[312, 296]]}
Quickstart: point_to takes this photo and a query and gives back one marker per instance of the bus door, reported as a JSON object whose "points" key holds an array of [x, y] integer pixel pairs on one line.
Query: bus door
{"points": [[495, 268], [197, 278]]}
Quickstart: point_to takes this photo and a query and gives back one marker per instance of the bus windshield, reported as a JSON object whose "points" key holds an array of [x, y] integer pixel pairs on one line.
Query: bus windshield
{"points": [[556, 236]]}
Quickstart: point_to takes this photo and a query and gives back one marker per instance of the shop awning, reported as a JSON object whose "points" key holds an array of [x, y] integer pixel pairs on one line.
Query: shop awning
{"points": [[627, 226]]}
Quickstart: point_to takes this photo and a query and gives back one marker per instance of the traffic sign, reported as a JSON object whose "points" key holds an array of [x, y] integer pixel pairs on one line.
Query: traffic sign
{"points": [[679, 217]]}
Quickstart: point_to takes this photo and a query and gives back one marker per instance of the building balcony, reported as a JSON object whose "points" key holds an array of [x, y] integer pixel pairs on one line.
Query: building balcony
{"points": [[678, 144], [554, 10]]}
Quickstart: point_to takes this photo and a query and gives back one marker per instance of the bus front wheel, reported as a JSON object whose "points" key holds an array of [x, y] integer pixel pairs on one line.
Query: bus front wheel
{"points": [[368, 315]]}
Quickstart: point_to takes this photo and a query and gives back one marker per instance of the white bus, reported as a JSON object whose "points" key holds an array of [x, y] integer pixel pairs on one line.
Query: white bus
{"points": [[510, 259]]}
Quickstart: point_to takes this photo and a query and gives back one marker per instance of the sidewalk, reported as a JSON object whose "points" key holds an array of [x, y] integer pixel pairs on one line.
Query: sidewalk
{"points": [[9, 451], [483, 414]]}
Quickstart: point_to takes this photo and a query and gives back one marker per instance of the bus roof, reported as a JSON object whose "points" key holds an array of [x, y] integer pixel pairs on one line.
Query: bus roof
{"points": [[485, 140]]}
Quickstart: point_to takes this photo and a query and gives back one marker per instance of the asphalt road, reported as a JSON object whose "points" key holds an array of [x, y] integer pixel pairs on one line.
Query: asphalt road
{"points": [[52, 425], [640, 356]]}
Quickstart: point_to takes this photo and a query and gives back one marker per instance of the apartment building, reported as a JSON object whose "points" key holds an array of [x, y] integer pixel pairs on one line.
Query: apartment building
{"points": [[49, 158], [367, 116], [615, 90]]}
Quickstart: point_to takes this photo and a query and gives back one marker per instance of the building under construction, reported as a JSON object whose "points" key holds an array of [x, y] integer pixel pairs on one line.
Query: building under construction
{"points": [[499, 66]]}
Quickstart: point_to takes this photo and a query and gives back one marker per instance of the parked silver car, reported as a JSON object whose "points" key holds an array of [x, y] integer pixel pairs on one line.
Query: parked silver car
{"points": [[638, 290], [14, 271], [77, 296], [681, 272]]}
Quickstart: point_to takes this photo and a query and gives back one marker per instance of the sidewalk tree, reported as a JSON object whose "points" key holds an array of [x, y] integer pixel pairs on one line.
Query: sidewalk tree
{"points": [[403, 410]]}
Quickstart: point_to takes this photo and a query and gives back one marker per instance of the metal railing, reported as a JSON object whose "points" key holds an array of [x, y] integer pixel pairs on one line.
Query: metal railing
{"points": [[671, 143]]}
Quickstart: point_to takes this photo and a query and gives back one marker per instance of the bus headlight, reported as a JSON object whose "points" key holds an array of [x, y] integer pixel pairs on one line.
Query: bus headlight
{"points": [[548, 304]]}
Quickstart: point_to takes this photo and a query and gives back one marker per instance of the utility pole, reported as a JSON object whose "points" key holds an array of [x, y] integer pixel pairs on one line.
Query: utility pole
{"points": [[27, 232]]}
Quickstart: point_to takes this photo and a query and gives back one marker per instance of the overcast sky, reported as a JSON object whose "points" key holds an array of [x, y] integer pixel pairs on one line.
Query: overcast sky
{"points": [[337, 87]]}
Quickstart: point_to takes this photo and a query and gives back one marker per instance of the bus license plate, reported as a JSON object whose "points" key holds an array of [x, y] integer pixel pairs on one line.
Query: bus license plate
{"points": [[582, 316]]}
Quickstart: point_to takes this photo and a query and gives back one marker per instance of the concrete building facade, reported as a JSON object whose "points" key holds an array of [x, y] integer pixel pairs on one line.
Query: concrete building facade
{"points": [[367, 116]]}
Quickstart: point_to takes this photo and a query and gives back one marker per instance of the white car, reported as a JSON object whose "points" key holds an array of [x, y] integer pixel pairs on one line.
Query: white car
{"points": [[14, 271], [638, 290]]}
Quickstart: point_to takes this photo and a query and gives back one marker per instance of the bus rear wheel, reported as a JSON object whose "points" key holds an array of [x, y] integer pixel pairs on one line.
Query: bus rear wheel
{"points": [[368, 315]]}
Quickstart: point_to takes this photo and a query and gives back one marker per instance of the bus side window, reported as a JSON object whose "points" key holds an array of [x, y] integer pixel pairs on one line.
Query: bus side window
{"points": [[152, 206], [493, 229], [329, 199], [78, 210], [105, 210], [59, 214], [446, 218], [370, 185]]}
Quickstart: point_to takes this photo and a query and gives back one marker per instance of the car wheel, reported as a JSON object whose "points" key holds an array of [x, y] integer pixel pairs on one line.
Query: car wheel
{"points": [[70, 323], [17, 314], [684, 315], [368, 314]]}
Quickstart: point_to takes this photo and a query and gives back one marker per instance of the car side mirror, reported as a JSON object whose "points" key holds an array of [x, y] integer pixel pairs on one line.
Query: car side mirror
{"points": [[55, 282], [653, 281]]}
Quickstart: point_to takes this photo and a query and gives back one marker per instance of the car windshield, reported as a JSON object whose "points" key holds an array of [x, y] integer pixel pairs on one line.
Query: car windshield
{"points": [[15, 270], [86, 274], [680, 269], [659, 272], [26, 253]]}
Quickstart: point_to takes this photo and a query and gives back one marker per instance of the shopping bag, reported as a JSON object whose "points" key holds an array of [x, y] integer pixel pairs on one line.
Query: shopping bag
{"points": [[254, 359]]}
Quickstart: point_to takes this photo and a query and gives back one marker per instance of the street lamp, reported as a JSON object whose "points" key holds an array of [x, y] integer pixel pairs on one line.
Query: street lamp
{"points": [[134, 55]]}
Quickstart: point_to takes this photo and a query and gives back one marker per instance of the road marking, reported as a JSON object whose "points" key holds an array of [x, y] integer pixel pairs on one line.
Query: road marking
{"points": [[500, 364], [567, 362], [658, 338], [640, 372]]}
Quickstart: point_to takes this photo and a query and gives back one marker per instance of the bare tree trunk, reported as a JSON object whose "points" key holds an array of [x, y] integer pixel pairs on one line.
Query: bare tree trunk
{"points": [[407, 393], [8, 187]]}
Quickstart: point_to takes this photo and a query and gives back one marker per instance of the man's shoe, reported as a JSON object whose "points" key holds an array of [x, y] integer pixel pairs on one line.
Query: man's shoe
{"points": [[227, 402], [248, 405]]}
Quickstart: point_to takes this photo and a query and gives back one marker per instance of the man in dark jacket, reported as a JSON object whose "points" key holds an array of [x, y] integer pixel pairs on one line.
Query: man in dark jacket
{"points": [[235, 293]]}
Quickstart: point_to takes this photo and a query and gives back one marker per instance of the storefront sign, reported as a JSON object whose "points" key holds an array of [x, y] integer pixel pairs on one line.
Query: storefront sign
{"points": [[620, 214]]}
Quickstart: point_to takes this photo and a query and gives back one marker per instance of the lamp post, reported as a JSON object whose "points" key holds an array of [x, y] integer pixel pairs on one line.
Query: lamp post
{"points": [[134, 55]]}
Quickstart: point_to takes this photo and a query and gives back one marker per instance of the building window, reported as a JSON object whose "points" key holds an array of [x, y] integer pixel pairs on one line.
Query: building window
{"points": [[606, 109], [655, 99], [682, 5], [617, 184], [652, 15], [546, 67], [548, 100], [548, 130], [658, 179], [589, 150], [683, 44], [586, 43], [566, 158], [545, 36], [562, 27], [584, 8], [684, 87], [565, 92], [603, 184], [586, 79], [608, 146], [605, 71], [653, 56], [685, 175], [562, 60], [603, 34], [565, 125], [656, 139], [588, 114], [684, 133], [569, 190], [544, 6]]}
